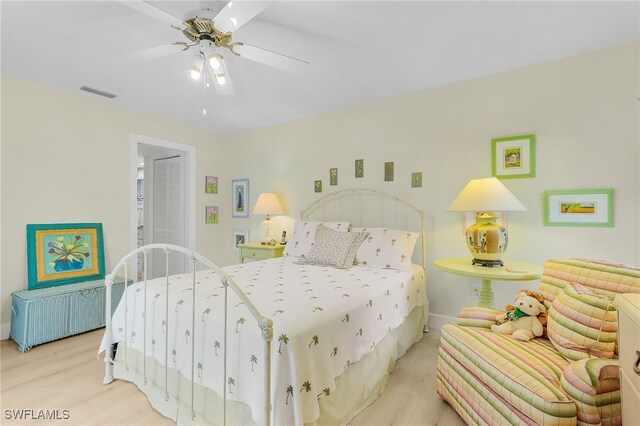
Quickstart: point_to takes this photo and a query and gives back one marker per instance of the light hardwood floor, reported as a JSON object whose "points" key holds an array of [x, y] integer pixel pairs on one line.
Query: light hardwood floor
{"points": [[66, 375]]}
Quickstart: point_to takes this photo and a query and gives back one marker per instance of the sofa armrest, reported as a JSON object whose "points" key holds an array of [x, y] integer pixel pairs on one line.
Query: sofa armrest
{"points": [[476, 316], [594, 384]]}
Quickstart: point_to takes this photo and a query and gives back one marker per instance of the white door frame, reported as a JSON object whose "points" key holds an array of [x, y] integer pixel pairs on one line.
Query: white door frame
{"points": [[190, 210]]}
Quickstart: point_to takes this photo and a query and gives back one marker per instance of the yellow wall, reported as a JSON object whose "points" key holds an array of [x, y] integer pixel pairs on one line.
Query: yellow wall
{"points": [[583, 111], [65, 158]]}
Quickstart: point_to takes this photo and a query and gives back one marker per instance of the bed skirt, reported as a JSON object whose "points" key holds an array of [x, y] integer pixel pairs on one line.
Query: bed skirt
{"points": [[360, 384]]}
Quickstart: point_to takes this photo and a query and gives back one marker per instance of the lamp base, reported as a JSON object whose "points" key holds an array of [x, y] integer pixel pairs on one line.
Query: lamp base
{"points": [[487, 263]]}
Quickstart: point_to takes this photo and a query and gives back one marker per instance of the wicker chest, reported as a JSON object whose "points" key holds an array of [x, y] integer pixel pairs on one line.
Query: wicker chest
{"points": [[47, 314]]}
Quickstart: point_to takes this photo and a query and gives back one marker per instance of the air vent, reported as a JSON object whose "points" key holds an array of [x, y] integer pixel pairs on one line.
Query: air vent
{"points": [[98, 92]]}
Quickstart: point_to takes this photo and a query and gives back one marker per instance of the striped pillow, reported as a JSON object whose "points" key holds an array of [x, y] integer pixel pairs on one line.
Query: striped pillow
{"points": [[582, 324]]}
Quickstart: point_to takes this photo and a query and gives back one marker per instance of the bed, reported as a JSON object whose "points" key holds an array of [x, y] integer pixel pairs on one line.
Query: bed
{"points": [[281, 341]]}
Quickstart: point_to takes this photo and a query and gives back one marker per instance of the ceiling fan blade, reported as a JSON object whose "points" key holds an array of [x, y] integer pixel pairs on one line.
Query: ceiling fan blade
{"points": [[154, 12], [270, 58], [148, 54], [237, 13]]}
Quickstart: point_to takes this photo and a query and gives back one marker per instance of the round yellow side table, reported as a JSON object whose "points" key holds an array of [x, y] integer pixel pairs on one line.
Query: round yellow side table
{"points": [[511, 271]]}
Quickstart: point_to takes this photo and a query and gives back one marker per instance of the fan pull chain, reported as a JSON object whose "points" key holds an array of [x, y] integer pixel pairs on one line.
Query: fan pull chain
{"points": [[204, 91]]}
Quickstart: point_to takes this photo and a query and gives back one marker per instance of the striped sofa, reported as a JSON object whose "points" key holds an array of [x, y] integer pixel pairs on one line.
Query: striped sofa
{"points": [[492, 379]]}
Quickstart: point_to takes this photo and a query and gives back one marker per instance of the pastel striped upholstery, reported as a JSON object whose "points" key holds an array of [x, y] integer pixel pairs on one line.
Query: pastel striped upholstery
{"points": [[582, 324], [492, 379]]}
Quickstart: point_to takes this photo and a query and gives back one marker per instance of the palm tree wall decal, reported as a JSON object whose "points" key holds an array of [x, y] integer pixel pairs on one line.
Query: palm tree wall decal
{"points": [[173, 355], [306, 386], [334, 352], [205, 313], [253, 361], [180, 302], [230, 382], [199, 367], [216, 346], [393, 242], [325, 392], [187, 333]]}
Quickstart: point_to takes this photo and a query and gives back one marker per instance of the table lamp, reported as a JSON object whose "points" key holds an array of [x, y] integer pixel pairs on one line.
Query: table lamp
{"points": [[267, 204], [486, 240]]}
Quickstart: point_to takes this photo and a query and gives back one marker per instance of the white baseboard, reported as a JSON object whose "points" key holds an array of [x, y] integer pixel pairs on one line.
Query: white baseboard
{"points": [[5, 330], [436, 321]]}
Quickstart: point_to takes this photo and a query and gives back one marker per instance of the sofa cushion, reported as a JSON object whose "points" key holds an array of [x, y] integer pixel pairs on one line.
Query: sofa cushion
{"points": [[582, 324], [524, 376]]}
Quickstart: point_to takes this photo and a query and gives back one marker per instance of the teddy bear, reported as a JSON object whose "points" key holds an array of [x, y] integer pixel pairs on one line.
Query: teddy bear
{"points": [[522, 321]]}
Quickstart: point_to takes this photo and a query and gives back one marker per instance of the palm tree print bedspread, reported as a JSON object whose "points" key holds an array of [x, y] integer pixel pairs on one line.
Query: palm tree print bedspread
{"points": [[324, 319]]}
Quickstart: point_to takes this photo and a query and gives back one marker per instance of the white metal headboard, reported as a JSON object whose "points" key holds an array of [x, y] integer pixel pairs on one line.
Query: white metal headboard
{"points": [[365, 207]]}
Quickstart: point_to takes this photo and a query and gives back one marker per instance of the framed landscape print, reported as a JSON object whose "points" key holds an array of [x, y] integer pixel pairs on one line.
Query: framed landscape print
{"points": [[240, 236], [64, 253], [581, 207], [240, 194], [513, 157]]}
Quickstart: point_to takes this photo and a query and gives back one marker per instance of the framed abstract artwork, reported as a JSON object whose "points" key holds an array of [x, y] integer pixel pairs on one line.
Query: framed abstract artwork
{"points": [[388, 171], [64, 253], [333, 176], [240, 200], [513, 157], [359, 166], [579, 207], [416, 180]]}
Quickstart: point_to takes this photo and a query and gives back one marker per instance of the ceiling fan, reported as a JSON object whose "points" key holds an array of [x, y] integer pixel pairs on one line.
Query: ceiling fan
{"points": [[210, 33]]}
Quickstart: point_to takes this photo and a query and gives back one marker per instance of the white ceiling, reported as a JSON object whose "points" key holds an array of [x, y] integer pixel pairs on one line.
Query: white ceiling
{"points": [[359, 51]]}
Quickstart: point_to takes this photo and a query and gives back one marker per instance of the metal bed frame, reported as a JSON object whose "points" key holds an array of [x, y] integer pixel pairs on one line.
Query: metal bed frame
{"points": [[333, 205]]}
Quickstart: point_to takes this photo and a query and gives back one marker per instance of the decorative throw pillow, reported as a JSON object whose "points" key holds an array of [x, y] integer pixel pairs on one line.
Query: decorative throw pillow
{"points": [[334, 248], [304, 234], [582, 324], [386, 248]]}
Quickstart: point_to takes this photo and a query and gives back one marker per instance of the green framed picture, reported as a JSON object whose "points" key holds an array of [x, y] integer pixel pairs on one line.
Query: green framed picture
{"points": [[317, 186], [513, 157], [333, 176], [64, 253], [388, 171], [579, 207], [416, 180], [359, 166]]}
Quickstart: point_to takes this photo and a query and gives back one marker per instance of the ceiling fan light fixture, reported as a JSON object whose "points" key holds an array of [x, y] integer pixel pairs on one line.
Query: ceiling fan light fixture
{"points": [[215, 61], [196, 67], [221, 78]]}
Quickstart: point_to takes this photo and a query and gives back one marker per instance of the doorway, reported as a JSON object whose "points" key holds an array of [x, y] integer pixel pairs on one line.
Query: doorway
{"points": [[163, 202]]}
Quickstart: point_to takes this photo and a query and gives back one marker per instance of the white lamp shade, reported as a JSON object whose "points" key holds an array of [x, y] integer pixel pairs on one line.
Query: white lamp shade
{"points": [[267, 204], [486, 195]]}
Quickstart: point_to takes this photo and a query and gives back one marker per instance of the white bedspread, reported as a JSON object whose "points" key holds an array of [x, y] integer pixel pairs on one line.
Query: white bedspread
{"points": [[323, 320]]}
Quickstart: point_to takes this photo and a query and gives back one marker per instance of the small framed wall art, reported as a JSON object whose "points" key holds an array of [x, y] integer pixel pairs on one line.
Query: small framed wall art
{"points": [[359, 168], [240, 197], [513, 157], [333, 177], [240, 236], [211, 185], [388, 171], [317, 186], [416, 180], [64, 253], [211, 214], [579, 207]]}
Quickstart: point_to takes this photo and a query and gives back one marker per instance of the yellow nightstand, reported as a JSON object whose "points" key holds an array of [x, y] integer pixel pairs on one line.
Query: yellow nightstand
{"points": [[259, 251]]}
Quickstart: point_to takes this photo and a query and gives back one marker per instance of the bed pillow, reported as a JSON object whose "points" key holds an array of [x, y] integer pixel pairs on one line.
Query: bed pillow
{"points": [[582, 324], [334, 248], [386, 248], [304, 234]]}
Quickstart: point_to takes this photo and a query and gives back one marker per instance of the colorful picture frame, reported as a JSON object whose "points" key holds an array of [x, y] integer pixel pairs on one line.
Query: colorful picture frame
{"points": [[64, 253], [240, 236], [210, 185], [240, 198], [513, 157], [579, 207], [211, 214]]}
